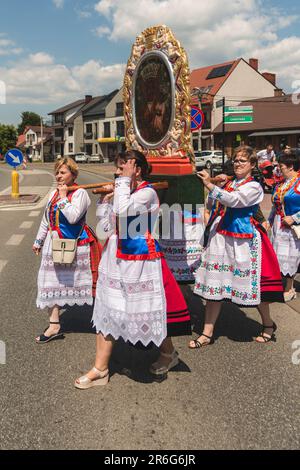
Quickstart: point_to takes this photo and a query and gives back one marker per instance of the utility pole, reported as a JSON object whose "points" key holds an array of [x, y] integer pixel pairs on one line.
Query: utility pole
{"points": [[42, 140], [223, 134], [197, 92], [200, 130]]}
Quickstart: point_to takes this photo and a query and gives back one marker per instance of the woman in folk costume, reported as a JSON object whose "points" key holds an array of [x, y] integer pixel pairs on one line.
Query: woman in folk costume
{"points": [[137, 297], [238, 263], [64, 217], [285, 213]]}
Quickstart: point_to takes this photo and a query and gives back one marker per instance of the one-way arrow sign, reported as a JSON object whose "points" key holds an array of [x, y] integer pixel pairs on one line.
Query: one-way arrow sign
{"points": [[14, 157]]}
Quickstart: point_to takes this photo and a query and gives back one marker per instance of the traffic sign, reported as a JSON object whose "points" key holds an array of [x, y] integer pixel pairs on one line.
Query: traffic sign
{"points": [[14, 157], [238, 119], [197, 118], [238, 109]]}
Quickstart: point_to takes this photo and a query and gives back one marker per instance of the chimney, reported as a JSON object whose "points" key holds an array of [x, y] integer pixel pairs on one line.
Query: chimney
{"points": [[278, 92], [88, 98], [254, 63], [271, 77]]}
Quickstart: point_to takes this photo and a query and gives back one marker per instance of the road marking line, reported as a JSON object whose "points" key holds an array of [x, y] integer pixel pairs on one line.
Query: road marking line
{"points": [[34, 213], [26, 224], [3, 262], [15, 240]]}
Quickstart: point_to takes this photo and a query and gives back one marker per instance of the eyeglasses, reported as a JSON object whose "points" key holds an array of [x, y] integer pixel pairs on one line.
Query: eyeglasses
{"points": [[241, 162]]}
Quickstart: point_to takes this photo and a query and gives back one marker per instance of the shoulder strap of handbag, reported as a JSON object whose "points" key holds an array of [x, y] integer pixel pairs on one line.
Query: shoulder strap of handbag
{"points": [[49, 225]]}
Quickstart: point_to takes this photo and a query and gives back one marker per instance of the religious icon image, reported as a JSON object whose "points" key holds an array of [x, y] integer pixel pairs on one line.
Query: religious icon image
{"points": [[153, 99]]}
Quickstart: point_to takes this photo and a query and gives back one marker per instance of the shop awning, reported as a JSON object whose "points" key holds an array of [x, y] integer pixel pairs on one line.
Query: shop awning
{"points": [[106, 140], [283, 132]]}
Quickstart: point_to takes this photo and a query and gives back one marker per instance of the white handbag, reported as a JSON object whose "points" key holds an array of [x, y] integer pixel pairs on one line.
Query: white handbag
{"points": [[64, 250], [296, 231]]}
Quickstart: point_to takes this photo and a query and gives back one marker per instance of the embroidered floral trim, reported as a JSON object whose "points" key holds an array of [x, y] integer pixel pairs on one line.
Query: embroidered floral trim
{"points": [[62, 204], [223, 267], [215, 194], [121, 181], [226, 291]]}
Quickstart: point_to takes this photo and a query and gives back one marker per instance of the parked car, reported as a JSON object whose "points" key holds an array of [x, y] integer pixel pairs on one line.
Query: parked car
{"points": [[82, 157], [95, 158], [209, 159]]}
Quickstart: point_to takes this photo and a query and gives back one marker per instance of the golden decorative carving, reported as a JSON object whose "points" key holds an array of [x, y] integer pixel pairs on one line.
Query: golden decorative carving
{"points": [[177, 140]]}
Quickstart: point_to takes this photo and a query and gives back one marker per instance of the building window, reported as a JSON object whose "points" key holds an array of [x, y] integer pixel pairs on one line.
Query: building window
{"points": [[96, 131], [58, 118], [119, 109], [88, 131], [89, 149], [106, 129], [71, 148], [58, 133], [70, 131], [120, 129]]}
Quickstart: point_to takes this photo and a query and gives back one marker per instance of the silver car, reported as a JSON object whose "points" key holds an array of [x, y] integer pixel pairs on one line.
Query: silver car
{"points": [[95, 158], [81, 157], [209, 158]]}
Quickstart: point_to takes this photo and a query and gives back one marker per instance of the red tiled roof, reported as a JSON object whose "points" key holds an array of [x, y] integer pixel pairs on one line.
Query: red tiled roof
{"points": [[37, 129], [21, 140], [198, 78]]}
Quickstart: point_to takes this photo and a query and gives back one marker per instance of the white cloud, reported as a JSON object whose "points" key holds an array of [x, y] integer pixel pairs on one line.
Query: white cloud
{"points": [[83, 14], [102, 31], [58, 3], [210, 33], [56, 83], [41, 58], [7, 46]]}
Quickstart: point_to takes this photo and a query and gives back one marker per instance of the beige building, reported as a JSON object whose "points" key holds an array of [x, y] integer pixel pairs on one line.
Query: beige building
{"points": [[235, 81], [111, 129], [64, 142], [87, 125]]}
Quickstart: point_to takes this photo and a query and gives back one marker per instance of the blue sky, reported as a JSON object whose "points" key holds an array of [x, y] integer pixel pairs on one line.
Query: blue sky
{"points": [[56, 51]]}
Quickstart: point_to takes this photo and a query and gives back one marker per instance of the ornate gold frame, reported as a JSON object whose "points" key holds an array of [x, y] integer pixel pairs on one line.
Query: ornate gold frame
{"points": [[178, 140]]}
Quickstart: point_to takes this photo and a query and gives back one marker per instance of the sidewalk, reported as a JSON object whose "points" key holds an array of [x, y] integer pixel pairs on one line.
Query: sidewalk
{"points": [[33, 195]]}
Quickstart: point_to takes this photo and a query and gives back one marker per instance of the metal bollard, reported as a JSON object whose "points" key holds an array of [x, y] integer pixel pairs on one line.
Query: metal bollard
{"points": [[15, 184]]}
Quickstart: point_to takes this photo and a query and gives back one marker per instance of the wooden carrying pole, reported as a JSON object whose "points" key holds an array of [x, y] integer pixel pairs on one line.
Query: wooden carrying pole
{"points": [[158, 185], [88, 186]]}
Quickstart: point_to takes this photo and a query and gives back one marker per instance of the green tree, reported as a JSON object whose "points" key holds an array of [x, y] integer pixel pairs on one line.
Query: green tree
{"points": [[8, 138], [28, 119]]}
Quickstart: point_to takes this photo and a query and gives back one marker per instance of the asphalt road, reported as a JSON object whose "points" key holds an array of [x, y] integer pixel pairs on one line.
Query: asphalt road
{"points": [[235, 394], [5, 176]]}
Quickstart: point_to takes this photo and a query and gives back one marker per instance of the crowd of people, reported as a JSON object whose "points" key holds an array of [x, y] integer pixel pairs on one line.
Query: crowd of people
{"points": [[132, 290]]}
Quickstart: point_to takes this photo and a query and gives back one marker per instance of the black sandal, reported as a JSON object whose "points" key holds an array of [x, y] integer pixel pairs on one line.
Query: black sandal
{"points": [[197, 343], [45, 339], [268, 338]]}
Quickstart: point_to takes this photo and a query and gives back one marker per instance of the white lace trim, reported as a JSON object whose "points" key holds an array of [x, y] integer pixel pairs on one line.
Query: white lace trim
{"points": [[62, 303], [143, 327]]}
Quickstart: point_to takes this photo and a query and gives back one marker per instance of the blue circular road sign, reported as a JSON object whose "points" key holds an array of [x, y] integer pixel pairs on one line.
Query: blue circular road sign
{"points": [[14, 157], [197, 118]]}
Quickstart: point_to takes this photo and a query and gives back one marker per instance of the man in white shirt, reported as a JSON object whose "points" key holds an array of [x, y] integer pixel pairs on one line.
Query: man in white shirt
{"points": [[266, 154]]}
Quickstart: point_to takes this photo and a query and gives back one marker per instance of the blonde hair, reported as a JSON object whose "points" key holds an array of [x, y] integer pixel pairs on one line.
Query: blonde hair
{"points": [[70, 164]]}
